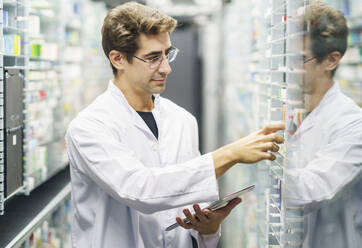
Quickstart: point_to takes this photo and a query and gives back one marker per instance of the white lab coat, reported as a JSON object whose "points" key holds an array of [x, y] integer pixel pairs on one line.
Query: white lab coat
{"points": [[127, 186], [326, 180]]}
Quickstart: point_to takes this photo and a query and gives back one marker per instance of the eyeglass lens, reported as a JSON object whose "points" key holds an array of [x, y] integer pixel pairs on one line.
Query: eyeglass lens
{"points": [[158, 60]]}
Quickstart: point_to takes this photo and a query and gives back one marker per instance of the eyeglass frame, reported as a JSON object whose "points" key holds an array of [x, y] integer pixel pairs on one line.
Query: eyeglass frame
{"points": [[149, 61], [309, 59]]}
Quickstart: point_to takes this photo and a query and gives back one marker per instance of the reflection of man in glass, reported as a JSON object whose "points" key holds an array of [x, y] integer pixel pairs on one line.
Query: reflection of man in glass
{"points": [[328, 181]]}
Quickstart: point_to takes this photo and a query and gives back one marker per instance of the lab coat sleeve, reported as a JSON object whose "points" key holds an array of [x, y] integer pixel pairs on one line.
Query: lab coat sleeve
{"points": [[206, 240], [336, 166], [94, 151], [209, 240]]}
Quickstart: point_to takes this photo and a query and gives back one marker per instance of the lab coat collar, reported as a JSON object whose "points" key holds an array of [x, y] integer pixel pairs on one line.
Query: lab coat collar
{"points": [[310, 120], [137, 119]]}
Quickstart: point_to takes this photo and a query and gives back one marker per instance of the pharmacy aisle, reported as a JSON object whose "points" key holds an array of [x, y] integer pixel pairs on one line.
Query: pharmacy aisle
{"points": [[48, 50], [241, 64]]}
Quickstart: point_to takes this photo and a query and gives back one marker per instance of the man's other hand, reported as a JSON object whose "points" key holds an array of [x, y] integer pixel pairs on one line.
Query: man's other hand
{"points": [[206, 221]]}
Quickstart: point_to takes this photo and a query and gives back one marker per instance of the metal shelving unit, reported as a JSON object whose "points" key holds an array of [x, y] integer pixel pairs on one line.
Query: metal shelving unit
{"points": [[274, 75], [12, 56], [279, 78]]}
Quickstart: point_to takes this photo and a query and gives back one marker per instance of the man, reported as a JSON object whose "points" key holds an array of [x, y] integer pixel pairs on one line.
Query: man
{"points": [[327, 180], [134, 156]]}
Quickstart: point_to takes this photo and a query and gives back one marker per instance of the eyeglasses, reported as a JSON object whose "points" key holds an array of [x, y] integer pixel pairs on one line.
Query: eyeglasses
{"points": [[309, 59], [156, 61]]}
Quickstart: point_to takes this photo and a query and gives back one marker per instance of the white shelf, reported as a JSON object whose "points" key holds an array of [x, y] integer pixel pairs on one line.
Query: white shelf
{"points": [[43, 59], [9, 29], [13, 56], [12, 3]]}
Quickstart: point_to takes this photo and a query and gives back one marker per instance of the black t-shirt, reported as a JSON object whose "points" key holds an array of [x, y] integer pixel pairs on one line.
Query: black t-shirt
{"points": [[150, 121]]}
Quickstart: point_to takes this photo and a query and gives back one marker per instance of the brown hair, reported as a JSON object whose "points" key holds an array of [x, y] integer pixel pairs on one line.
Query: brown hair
{"points": [[124, 23], [327, 29]]}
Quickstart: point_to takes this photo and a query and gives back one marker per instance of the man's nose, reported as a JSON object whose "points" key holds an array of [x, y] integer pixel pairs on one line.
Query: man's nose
{"points": [[165, 66]]}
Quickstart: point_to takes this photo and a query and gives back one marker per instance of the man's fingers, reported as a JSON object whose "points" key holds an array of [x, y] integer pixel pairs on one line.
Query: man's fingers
{"points": [[197, 209], [225, 210], [183, 224], [233, 203], [269, 156], [273, 137], [269, 146], [200, 214], [274, 148], [279, 139], [190, 216], [272, 127]]}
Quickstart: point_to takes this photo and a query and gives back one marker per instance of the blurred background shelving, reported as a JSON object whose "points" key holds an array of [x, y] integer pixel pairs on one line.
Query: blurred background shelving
{"points": [[49, 48]]}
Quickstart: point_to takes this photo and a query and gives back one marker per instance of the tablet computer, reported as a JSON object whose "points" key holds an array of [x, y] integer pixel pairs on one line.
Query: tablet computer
{"points": [[218, 204]]}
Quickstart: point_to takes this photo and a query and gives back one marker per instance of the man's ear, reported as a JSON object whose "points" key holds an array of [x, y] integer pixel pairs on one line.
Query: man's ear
{"points": [[117, 59], [332, 60]]}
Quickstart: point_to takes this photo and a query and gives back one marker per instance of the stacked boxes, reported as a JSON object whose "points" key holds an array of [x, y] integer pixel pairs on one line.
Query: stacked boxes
{"points": [[12, 44]]}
